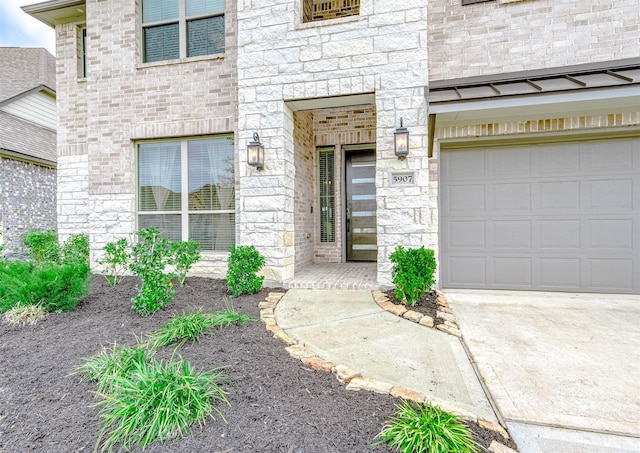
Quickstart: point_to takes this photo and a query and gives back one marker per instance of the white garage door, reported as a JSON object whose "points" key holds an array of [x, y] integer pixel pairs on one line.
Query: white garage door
{"points": [[553, 217]]}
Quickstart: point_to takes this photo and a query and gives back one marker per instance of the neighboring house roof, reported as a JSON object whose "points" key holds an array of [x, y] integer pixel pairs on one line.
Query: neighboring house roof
{"points": [[24, 140], [569, 78], [23, 69], [25, 72]]}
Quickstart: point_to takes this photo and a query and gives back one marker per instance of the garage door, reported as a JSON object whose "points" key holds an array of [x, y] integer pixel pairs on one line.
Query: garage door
{"points": [[553, 217]]}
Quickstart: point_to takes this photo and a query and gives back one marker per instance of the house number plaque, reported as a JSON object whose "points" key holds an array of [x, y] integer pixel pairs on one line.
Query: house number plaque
{"points": [[402, 178]]}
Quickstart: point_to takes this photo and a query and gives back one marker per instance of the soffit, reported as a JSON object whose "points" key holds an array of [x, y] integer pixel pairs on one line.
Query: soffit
{"points": [[56, 12]]}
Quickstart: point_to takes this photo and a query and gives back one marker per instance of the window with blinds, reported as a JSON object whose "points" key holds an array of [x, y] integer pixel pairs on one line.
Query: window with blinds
{"points": [[326, 176], [182, 28], [186, 188]]}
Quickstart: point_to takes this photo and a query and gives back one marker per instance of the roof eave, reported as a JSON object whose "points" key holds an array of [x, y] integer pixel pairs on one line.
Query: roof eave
{"points": [[56, 12]]}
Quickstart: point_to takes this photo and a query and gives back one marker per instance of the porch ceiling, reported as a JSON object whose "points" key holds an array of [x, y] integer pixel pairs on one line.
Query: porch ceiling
{"points": [[330, 102]]}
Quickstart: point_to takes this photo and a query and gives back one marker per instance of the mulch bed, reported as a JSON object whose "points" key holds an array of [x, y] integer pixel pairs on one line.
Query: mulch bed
{"points": [[276, 403], [426, 305]]}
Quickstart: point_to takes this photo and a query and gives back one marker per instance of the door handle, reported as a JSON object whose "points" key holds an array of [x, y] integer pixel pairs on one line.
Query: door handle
{"points": [[348, 220]]}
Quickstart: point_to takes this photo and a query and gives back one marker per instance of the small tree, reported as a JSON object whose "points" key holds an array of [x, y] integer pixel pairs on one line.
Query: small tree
{"points": [[150, 257], [413, 273], [244, 262], [184, 254], [115, 260]]}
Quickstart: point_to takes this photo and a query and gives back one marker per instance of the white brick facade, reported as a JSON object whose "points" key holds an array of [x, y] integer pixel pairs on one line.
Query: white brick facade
{"points": [[283, 78]]}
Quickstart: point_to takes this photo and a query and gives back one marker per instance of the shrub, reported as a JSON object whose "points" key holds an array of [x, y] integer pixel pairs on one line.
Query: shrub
{"points": [[413, 272], [150, 257], [21, 315], [182, 329], [75, 249], [184, 254], [42, 246], [426, 428], [115, 260], [54, 287], [244, 263], [156, 402]]}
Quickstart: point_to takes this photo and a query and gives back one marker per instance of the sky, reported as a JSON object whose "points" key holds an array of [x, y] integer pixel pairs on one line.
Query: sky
{"points": [[18, 29]]}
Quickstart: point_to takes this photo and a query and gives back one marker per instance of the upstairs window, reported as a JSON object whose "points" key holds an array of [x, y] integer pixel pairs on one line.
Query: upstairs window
{"points": [[317, 10], [182, 28]]}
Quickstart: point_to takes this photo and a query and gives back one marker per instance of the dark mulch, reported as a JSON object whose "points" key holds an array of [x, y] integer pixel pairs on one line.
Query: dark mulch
{"points": [[277, 404], [426, 305]]}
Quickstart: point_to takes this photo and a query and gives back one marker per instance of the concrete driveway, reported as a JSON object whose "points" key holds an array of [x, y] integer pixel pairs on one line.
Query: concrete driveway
{"points": [[563, 369]]}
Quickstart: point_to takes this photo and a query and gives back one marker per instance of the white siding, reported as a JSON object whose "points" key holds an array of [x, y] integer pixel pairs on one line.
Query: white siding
{"points": [[39, 108]]}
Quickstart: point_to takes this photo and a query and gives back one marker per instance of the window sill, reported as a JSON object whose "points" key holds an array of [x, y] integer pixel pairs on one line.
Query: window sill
{"points": [[328, 22], [177, 61]]}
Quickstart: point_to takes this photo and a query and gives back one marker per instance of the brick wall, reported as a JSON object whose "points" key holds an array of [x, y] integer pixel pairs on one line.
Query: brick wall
{"points": [[123, 100], [514, 35], [306, 188], [27, 200]]}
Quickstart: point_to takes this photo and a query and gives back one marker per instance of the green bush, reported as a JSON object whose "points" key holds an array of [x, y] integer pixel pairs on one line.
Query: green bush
{"points": [[244, 263], [150, 256], [42, 246], [426, 428], [52, 286], [413, 273], [115, 260], [184, 254], [75, 250], [156, 402]]}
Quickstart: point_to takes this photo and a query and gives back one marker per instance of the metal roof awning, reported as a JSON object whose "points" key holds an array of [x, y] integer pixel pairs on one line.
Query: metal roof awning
{"points": [[526, 83]]}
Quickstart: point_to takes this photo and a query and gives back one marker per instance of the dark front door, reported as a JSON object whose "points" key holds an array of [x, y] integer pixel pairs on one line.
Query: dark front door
{"points": [[361, 205]]}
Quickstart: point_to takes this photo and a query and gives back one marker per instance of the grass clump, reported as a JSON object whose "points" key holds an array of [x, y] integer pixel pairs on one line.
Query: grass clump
{"points": [[156, 402], [110, 364], [192, 326], [21, 315], [181, 329], [426, 428]]}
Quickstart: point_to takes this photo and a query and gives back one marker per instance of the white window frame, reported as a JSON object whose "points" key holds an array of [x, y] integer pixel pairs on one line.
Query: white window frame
{"points": [[182, 21], [184, 188]]}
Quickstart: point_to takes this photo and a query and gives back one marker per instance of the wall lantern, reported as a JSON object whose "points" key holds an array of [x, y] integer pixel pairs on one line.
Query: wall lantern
{"points": [[401, 141], [255, 152]]}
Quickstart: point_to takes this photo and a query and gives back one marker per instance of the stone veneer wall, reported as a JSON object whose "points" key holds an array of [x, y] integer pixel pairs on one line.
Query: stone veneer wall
{"points": [[381, 51], [515, 35], [121, 101], [27, 200]]}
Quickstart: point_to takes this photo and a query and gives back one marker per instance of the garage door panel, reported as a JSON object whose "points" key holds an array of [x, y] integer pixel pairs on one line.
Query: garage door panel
{"points": [[512, 234], [512, 272], [559, 273], [467, 235], [609, 194], [510, 161], [554, 195], [465, 198], [610, 274], [612, 234], [511, 196], [554, 216], [467, 271], [548, 161], [560, 234]]}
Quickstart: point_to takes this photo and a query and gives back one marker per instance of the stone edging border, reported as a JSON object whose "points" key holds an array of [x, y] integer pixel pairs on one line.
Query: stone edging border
{"points": [[355, 381], [449, 326]]}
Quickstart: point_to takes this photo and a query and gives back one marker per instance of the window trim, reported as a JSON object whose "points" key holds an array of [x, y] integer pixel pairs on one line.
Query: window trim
{"points": [[182, 20], [471, 2], [184, 211]]}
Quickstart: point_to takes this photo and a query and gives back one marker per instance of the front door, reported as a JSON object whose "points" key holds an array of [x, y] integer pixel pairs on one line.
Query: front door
{"points": [[361, 205]]}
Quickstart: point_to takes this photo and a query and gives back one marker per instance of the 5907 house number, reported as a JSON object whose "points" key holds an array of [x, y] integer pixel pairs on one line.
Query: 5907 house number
{"points": [[405, 178]]}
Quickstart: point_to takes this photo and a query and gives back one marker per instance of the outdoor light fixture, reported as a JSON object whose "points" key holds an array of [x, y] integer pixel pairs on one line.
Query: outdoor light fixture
{"points": [[401, 141], [255, 152]]}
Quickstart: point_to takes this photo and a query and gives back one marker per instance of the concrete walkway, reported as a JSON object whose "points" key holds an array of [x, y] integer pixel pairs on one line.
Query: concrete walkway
{"points": [[349, 328], [564, 369]]}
